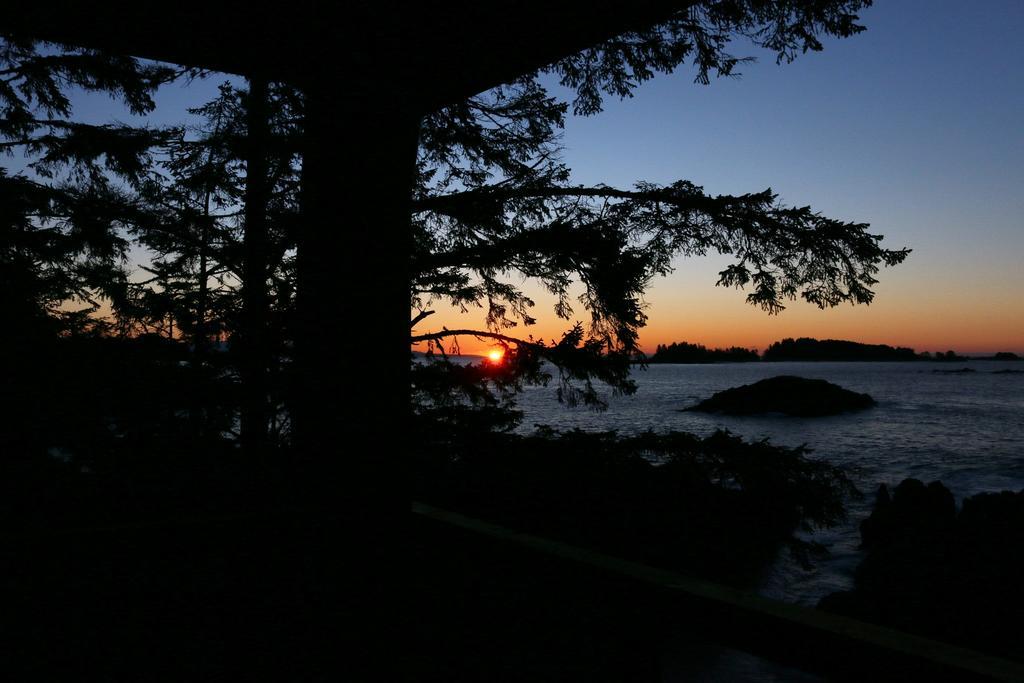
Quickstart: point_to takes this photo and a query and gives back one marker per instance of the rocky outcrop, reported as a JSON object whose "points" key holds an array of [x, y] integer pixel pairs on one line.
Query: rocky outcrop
{"points": [[786, 394], [929, 569]]}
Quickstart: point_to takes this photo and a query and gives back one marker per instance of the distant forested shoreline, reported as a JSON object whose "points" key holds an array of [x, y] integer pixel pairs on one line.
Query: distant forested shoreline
{"points": [[683, 352], [806, 349]]}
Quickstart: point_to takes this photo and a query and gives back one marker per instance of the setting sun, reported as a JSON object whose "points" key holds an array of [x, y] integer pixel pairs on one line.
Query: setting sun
{"points": [[495, 355]]}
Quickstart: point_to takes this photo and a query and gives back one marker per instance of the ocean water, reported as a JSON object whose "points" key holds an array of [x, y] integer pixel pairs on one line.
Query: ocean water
{"points": [[965, 429]]}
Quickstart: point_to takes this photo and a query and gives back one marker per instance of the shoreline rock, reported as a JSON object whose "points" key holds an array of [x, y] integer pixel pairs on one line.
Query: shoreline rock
{"points": [[797, 396], [941, 572]]}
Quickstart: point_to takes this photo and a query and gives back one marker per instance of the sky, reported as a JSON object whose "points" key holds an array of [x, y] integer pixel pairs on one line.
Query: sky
{"points": [[915, 126]]}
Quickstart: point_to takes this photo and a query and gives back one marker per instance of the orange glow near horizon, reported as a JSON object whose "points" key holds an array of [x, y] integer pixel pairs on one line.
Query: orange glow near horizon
{"points": [[904, 314], [496, 356], [970, 310]]}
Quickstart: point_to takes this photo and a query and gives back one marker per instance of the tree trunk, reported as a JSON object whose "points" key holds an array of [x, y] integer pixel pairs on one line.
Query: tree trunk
{"points": [[352, 346], [352, 394], [200, 338], [254, 351]]}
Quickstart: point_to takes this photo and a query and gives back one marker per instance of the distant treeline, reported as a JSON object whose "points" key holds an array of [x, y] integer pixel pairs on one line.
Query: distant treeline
{"points": [[806, 348], [682, 352]]}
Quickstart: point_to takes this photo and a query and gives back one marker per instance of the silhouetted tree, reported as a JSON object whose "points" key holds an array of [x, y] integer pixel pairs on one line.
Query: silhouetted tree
{"points": [[66, 212], [65, 218], [224, 207], [212, 207], [493, 202]]}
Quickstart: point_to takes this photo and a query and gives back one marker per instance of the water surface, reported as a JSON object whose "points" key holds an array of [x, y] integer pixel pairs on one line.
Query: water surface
{"points": [[965, 429]]}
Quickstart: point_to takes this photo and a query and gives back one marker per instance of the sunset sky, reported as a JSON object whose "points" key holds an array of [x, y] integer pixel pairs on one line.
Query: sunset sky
{"points": [[915, 126]]}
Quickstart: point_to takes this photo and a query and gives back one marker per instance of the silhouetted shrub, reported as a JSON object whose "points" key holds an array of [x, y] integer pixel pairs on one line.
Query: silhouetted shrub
{"points": [[715, 506]]}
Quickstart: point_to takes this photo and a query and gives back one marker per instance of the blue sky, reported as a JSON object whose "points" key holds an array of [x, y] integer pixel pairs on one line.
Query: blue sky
{"points": [[915, 126]]}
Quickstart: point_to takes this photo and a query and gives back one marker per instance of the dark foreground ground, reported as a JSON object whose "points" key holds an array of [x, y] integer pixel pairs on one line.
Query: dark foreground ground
{"points": [[270, 599], [251, 601], [288, 600]]}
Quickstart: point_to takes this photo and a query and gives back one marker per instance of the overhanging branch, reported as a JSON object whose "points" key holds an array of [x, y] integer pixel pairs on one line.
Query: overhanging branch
{"points": [[435, 336]]}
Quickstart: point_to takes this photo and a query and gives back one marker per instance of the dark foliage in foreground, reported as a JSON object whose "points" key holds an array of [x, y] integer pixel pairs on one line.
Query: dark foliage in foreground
{"points": [[87, 448], [716, 506], [93, 450], [102, 430], [947, 574]]}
